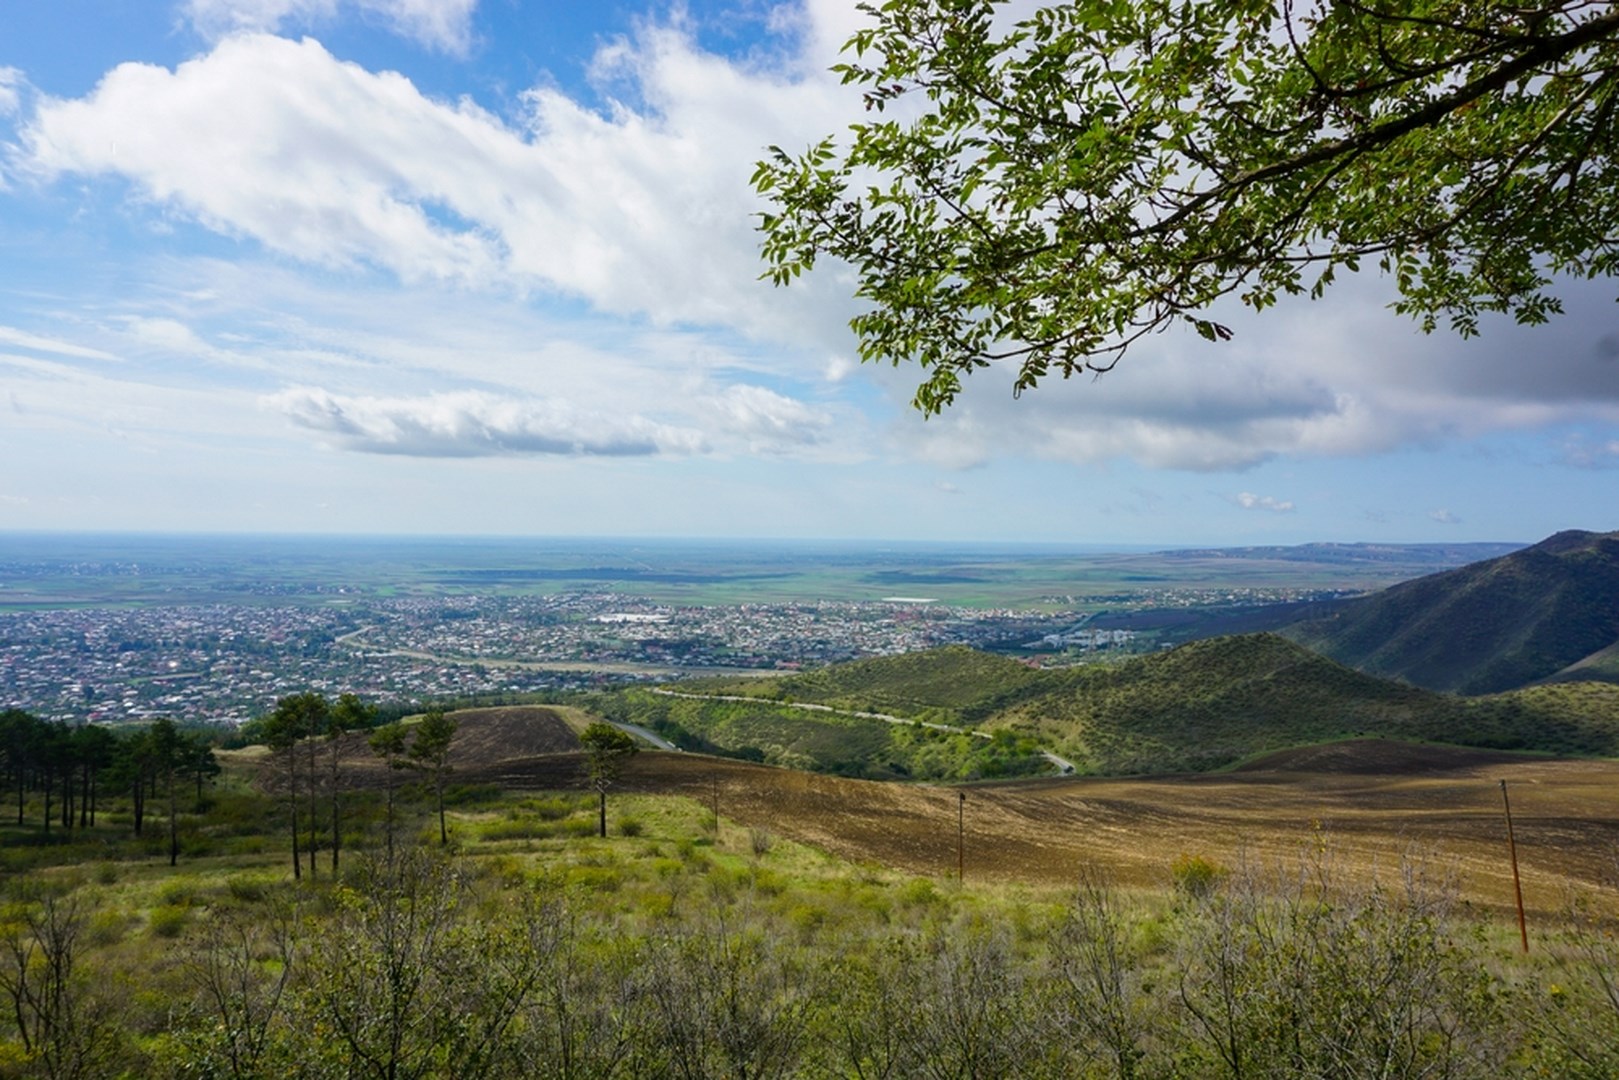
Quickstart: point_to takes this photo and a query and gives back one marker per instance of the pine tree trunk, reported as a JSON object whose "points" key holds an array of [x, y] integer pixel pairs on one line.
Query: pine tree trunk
{"points": [[137, 792], [314, 816], [292, 803], [174, 827], [443, 834]]}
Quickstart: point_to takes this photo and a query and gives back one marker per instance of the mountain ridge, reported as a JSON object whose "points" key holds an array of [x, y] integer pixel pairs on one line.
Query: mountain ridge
{"points": [[1496, 625]]}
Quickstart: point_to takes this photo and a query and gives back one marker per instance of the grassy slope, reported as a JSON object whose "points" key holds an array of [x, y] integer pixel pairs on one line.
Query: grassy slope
{"points": [[1600, 666]]}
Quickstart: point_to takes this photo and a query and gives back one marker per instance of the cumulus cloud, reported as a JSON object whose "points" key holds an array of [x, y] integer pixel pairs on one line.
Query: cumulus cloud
{"points": [[1249, 501], [477, 424], [438, 24], [768, 422], [643, 210], [638, 203], [1340, 377], [1444, 517]]}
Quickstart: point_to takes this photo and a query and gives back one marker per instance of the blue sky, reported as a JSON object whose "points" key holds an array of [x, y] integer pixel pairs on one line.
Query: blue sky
{"points": [[488, 266]]}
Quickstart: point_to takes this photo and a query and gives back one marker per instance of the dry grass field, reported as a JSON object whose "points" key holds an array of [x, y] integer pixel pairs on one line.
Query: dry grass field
{"points": [[1371, 803]]}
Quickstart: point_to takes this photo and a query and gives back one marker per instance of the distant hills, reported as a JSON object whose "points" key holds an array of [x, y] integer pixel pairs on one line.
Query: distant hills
{"points": [[1547, 612], [1434, 555], [1517, 652]]}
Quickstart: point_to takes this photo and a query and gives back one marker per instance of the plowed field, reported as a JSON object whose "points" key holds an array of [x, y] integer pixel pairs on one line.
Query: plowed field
{"points": [[1370, 802]]}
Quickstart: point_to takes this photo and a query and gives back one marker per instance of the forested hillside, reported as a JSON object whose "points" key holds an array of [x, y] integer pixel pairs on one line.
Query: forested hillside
{"points": [[1201, 706]]}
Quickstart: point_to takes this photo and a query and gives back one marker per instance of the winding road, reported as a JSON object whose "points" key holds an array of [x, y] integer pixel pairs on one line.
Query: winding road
{"points": [[1063, 764]]}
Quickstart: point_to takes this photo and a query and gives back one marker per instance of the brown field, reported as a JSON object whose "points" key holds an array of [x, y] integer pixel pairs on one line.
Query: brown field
{"points": [[1369, 802]]}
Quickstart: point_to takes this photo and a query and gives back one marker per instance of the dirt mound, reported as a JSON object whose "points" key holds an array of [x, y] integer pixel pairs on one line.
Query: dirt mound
{"points": [[487, 736], [484, 739], [1376, 757]]}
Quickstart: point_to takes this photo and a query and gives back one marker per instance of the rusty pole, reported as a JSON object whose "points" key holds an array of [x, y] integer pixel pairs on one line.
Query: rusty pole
{"points": [[961, 837], [1517, 886]]}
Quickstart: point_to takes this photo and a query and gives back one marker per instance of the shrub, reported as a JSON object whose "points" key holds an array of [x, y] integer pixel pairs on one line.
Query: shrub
{"points": [[169, 920], [107, 927], [1196, 876]]}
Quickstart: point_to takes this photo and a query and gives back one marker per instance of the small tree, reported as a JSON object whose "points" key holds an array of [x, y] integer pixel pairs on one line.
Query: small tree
{"points": [[388, 743], [282, 730], [430, 753], [349, 714], [606, 748], [168, 747]]}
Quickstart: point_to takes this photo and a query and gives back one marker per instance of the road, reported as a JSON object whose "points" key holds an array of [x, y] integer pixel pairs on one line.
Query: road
{"points": [[658, 741], [1063, 765]]}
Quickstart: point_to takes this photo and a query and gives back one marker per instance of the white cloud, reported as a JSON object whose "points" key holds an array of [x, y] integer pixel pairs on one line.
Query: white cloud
{"points": [[11, 83], [767, 421], [641, 212], [641, 207], [442, 24], [1249, 501], [22, 339], [476, 424], [1586, 453], [1335, 378], [437, 24], [1444, 517]]}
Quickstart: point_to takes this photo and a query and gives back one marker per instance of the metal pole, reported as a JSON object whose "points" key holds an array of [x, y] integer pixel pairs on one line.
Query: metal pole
{"points": [[1517, 886], [961, 837]]}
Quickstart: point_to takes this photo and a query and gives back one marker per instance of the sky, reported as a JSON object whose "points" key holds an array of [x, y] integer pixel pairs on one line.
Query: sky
{"points": [[491, 267]]}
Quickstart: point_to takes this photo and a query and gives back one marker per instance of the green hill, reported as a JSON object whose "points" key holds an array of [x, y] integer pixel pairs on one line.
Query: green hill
{"points": [[1214, 702], [937, 684], [1484, 628], [1201, 706]]}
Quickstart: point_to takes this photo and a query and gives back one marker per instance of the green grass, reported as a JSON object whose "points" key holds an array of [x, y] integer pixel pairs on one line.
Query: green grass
{"points": [[808, 944]]}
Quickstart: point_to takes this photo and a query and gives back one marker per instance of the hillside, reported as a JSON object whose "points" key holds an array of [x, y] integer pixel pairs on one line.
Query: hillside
{"points": [[1492, 626], [1198, 707], [933, 684], [1215, 702]]}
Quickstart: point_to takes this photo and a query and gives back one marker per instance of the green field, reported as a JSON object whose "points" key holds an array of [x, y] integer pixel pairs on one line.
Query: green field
{"points": [[39, 570]]}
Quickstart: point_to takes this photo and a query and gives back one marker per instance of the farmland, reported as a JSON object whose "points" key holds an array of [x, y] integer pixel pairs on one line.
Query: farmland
{"points": [[1373, 802]]}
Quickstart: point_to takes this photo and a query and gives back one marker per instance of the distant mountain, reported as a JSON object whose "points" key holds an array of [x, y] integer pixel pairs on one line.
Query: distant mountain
{"points": [[1496, 625], [1201, 706]]}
